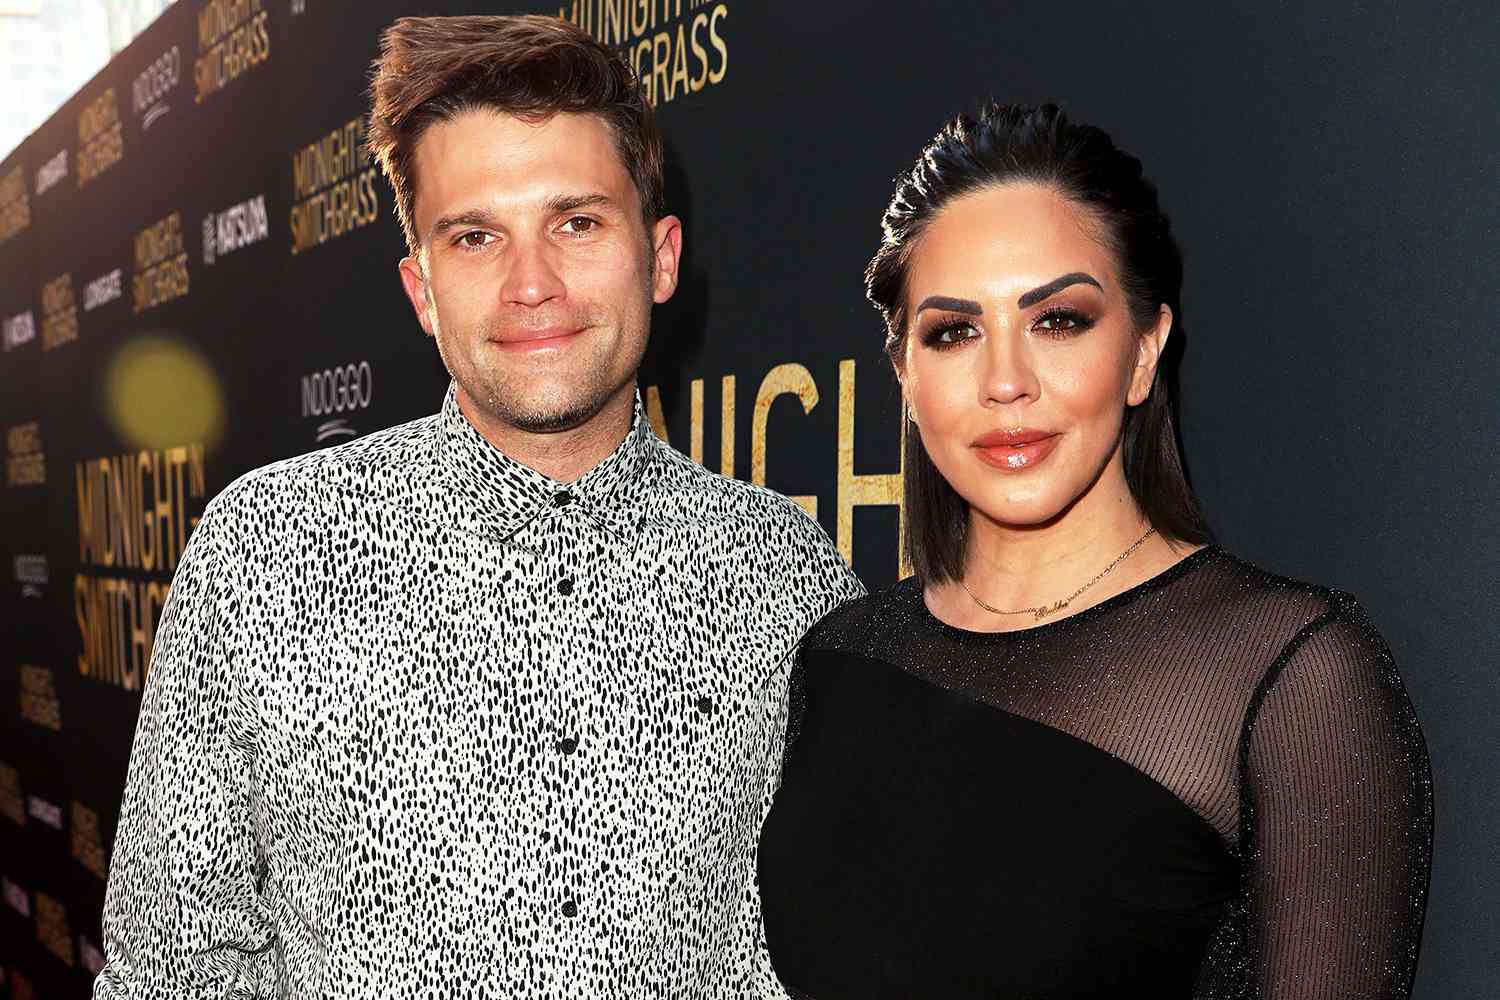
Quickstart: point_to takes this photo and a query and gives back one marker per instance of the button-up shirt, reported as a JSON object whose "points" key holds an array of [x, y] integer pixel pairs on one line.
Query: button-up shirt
{"points": [[423, 722]]}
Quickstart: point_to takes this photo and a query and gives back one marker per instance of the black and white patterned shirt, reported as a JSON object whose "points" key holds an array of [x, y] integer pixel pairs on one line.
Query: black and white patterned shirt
{"points": [[422, 722]]}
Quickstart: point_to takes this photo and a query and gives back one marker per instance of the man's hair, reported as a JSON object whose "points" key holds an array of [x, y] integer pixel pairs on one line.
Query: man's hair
{"points": [[431, 69]]}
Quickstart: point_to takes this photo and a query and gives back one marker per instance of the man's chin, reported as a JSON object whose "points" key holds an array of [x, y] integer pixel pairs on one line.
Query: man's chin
{"points": [[545, 413]]}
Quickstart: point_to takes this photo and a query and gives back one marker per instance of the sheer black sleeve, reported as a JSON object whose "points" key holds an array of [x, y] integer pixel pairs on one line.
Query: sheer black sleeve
{"points": [[1336, 820]]}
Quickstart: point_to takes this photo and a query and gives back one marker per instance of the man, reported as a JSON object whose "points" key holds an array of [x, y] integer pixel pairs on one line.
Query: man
{"points": [[489, 704]]}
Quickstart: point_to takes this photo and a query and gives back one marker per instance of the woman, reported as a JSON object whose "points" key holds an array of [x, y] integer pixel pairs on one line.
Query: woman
{"points": [[1081, 752]]}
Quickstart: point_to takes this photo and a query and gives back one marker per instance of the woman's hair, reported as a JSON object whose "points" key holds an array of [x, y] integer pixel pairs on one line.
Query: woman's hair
{"points": [[1009, 143]]}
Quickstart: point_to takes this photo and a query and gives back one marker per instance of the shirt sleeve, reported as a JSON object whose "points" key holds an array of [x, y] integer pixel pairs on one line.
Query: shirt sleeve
{"points": [[1339, 820], [183, 916]]}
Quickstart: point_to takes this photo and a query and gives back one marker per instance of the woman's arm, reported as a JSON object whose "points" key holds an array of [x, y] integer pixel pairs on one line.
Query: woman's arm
{"points": [[1337, 819]]}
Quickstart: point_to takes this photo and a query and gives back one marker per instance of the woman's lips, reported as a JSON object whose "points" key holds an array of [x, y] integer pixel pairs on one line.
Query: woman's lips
{"points": [[1013, 451]]}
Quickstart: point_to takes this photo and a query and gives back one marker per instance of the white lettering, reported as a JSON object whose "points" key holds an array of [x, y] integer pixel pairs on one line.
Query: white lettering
{"points": [[101, 290], [336, 390]]}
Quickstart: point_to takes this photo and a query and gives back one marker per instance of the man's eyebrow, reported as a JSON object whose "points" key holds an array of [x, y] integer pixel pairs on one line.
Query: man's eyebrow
{"points": [[967, 306], [559, 203], [1054, 286], [471, 217]]}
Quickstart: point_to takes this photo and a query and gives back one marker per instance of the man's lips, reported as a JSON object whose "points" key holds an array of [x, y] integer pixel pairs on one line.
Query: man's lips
{"points": [[539, 339], [1016, 449]]}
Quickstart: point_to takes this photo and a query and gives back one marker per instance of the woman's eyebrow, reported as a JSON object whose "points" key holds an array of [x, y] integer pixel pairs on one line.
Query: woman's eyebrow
{"points": [[967, 306], [1054, 286]]}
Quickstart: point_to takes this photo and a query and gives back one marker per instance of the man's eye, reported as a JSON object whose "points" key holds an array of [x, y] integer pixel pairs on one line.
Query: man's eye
{"points": [[580, 224], [474, 240]]}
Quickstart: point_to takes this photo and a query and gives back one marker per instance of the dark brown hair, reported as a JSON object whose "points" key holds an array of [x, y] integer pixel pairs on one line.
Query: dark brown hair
{"points": [[531, 66], [1007, 143]]}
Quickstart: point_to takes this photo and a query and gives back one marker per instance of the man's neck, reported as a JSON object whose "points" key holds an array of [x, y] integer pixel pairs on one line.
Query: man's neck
{"points": [[561, 455]]}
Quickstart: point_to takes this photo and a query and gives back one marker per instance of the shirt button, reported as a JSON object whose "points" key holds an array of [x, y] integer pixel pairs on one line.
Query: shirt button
{"points": [[570, 908], [705, 705], [562, 499], [565, 586], [567, 744]]}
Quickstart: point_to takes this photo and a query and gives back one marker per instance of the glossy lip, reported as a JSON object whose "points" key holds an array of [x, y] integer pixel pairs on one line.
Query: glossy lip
{"points": [[548, 338], [1016, 450]]}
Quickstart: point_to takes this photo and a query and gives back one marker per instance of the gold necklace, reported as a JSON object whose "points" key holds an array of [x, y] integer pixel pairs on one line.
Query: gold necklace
{"points": [[1042, 611]]}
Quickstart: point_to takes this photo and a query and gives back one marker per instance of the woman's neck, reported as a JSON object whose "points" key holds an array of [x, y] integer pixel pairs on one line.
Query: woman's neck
{"points": [[1016, 567]]}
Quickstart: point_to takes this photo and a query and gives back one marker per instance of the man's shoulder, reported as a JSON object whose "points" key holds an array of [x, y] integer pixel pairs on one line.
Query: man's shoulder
{"points": [[378, 462], [686, 490]]}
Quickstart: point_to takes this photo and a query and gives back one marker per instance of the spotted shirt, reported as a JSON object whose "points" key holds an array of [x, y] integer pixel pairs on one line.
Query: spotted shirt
{"points": [[421, 721]]}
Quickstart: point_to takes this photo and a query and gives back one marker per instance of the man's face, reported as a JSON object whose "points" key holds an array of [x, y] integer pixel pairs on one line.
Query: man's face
{"points": [[535, 274]]}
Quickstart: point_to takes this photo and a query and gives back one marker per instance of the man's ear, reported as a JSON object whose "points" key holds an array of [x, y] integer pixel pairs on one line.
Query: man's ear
{"points": [[1148, 351], [414, 282], [666, 244]]}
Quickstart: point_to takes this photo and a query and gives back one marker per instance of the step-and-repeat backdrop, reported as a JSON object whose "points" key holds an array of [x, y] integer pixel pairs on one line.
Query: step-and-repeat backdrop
{"points": [[198, 276]]}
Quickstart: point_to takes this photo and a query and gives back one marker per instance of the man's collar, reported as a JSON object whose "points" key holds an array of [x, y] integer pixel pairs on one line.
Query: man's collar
{"points": [[495, 495]]}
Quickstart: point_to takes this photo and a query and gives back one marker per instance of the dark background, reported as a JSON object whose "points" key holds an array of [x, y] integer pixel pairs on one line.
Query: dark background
{"points": [[1331, 176]]}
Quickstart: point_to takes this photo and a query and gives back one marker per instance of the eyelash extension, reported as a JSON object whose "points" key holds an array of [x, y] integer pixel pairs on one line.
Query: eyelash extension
{"points": [[930, 336], [1081, 323]]}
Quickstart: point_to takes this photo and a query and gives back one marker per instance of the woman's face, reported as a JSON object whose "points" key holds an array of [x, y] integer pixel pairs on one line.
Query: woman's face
{"points": [[1020, 354]]}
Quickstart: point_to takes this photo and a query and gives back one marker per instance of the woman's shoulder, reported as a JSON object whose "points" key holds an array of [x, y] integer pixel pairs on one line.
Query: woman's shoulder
{"points": [[1237, 592], [864, 624]]}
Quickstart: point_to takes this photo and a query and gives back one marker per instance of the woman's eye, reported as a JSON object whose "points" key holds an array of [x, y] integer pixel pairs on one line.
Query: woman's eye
{"points": [[1063, 323]]}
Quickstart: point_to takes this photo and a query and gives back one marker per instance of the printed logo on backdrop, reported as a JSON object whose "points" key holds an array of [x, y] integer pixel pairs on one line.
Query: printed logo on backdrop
{"points": [[337, 390], [18, 330], [12, 806], [232, 40], [135, 513], [25, 461], [102, 290], [676, 47], [90, 955], [15, 204], [333, 185], [59, 313], [88, 845], [237, 226], [31, 574], [161, 271], [45, 812], [15, 897], [101, 141], [52, 927], [51, 173], [149, 92], [39, 704]]}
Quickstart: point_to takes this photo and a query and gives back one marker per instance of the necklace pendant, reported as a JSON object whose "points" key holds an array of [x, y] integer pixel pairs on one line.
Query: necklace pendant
{"points": [[1045, 611]]}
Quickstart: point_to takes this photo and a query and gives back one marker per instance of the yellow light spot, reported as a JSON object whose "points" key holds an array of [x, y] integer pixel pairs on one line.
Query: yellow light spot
{"points": [[161, 392]]}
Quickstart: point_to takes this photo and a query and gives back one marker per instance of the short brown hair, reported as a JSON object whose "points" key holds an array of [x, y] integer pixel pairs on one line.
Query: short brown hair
{"points": [[531, 66]]}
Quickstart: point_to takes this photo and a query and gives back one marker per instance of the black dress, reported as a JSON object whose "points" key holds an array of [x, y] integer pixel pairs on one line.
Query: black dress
{"points": [[1211, 785]]}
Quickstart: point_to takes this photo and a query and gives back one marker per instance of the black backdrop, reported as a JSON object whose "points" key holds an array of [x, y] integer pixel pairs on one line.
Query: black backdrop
{"points": [[1331, 176]]}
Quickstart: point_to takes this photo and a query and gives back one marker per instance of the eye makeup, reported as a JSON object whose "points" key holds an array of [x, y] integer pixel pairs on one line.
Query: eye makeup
{"points": [[1062, 322]]}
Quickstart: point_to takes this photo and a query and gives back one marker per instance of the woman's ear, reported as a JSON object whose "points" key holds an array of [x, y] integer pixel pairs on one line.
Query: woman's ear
{"points": [[1148, 351]]}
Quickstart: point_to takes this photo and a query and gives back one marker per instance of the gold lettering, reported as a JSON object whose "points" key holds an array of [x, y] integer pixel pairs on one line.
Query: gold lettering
{"points": [[863, 490], [726, 426], [695, 422], [713, 36], [783, 380]]}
